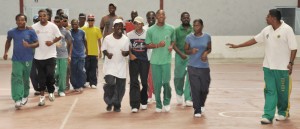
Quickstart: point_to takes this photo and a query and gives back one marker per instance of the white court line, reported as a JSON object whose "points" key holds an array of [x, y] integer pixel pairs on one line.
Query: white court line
{"points": [[69, 113], [223, 113]]}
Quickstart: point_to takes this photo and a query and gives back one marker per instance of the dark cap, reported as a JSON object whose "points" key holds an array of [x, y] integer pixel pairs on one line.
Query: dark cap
{"points": [[111, 4], [82, 15]]}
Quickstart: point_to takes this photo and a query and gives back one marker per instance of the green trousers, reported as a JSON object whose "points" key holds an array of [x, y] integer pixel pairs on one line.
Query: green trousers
{"points": [[61, 73], [161, 75], [181, 76], [20, 79], [277, 92]]}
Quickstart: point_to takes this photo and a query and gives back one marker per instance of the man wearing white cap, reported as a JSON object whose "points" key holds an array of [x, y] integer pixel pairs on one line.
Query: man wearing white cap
{"points": [[138, 66], [115, 48]]}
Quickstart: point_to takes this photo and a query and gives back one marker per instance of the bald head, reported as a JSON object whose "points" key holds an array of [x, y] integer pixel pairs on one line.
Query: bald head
{"points": [[133, 14]]}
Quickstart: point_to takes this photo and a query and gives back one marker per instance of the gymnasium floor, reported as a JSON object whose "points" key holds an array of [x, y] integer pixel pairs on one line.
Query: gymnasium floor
{"points": [[235, 101]]}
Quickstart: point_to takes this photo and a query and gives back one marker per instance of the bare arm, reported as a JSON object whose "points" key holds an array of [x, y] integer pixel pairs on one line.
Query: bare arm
{"points": [[291, 63], [181, 54], [7, 46], [245, 44], [31, 45], [99, 45], [188, 50], [206, 52], [49, 43]]}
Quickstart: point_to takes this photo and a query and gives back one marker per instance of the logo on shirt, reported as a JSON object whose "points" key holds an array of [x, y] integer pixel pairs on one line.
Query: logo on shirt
{"points": [[278, 36]]}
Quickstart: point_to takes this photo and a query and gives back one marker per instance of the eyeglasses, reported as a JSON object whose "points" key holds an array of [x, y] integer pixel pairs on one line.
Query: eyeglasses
{"points": [[90, 20], [56, 21], [65, 20], [151, 18]]}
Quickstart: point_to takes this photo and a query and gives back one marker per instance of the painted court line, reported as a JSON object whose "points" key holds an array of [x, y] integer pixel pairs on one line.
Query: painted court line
{"points": [[69, 113]]}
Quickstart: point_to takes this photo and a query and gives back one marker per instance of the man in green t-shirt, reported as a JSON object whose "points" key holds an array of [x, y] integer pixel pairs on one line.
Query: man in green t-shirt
{"points": [[161, 37], [181, 83]]}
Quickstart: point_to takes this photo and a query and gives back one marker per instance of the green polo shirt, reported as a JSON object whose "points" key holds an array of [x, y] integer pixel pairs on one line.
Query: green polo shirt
{"points": [[181, 33], [155, 34]]}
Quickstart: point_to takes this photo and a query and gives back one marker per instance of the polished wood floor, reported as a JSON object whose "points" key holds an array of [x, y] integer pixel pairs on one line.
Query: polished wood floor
{"points": [[235, 101]]}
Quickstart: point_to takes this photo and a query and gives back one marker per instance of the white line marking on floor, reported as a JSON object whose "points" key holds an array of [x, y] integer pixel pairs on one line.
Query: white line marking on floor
{"points": [[223, 114], [69, 113]]}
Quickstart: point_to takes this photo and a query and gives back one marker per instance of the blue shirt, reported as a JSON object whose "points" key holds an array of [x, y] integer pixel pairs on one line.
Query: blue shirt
{"points": [[78, 40], [20, 53], [201, 44]]}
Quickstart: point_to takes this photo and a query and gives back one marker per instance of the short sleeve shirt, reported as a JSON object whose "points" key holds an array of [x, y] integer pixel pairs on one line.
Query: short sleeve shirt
{"points": [[61, 46], [138, 45], [278, 46], [156, 34], [201, 44], [92, 36], [20, 53], [117, 65]]}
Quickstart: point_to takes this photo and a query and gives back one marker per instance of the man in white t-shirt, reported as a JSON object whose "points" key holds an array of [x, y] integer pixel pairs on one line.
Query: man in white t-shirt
{"points": [[115, 48], [45, 55], [280, 53]]}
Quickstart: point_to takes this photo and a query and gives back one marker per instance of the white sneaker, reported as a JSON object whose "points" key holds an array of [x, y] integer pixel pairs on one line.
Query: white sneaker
{"points": [[86, 84], [157, 110], [202, 109], [280, 117], [265, 121], [144, 107], [134, 110], [42, 101], [18, 104], [167, 108], [149, 100], [61, 94], [188, 103], [51, 97], [24, 101], [93, 87], [179, 99], [197, 115]]}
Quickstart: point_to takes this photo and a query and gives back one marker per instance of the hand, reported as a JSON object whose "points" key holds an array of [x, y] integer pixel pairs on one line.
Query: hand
{"points": [[132, 57], [170, 48], [49, 43], [231, 45], [194, 50], [100, 55], [183, 57], [204, 57], [69, 60], [109, 56], [26, 44], [161, 44], [5, 56], [290, 67]]}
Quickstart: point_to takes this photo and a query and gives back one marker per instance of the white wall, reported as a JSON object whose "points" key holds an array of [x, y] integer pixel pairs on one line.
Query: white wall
{"points": [[219, 49]]}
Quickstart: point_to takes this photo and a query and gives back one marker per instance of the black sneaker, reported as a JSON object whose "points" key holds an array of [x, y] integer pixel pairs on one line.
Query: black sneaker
{"points": [[117, 109], [109, 108]]}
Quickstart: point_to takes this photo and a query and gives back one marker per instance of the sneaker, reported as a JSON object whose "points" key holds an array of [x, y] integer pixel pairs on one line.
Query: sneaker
{"points": [[93, 87], [117, 109], [265, 121], [157, 110], [134, 110], [24, 101], [37, 93], [109, 108], [197, 115], [18, 104], [144, 107], [51, 97], [179, 99], [188, 103], [149, 100], [280, 117], [202, 110], [77, 90], [167, 108], [61, 94], [42, 101], [87, 84]]}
